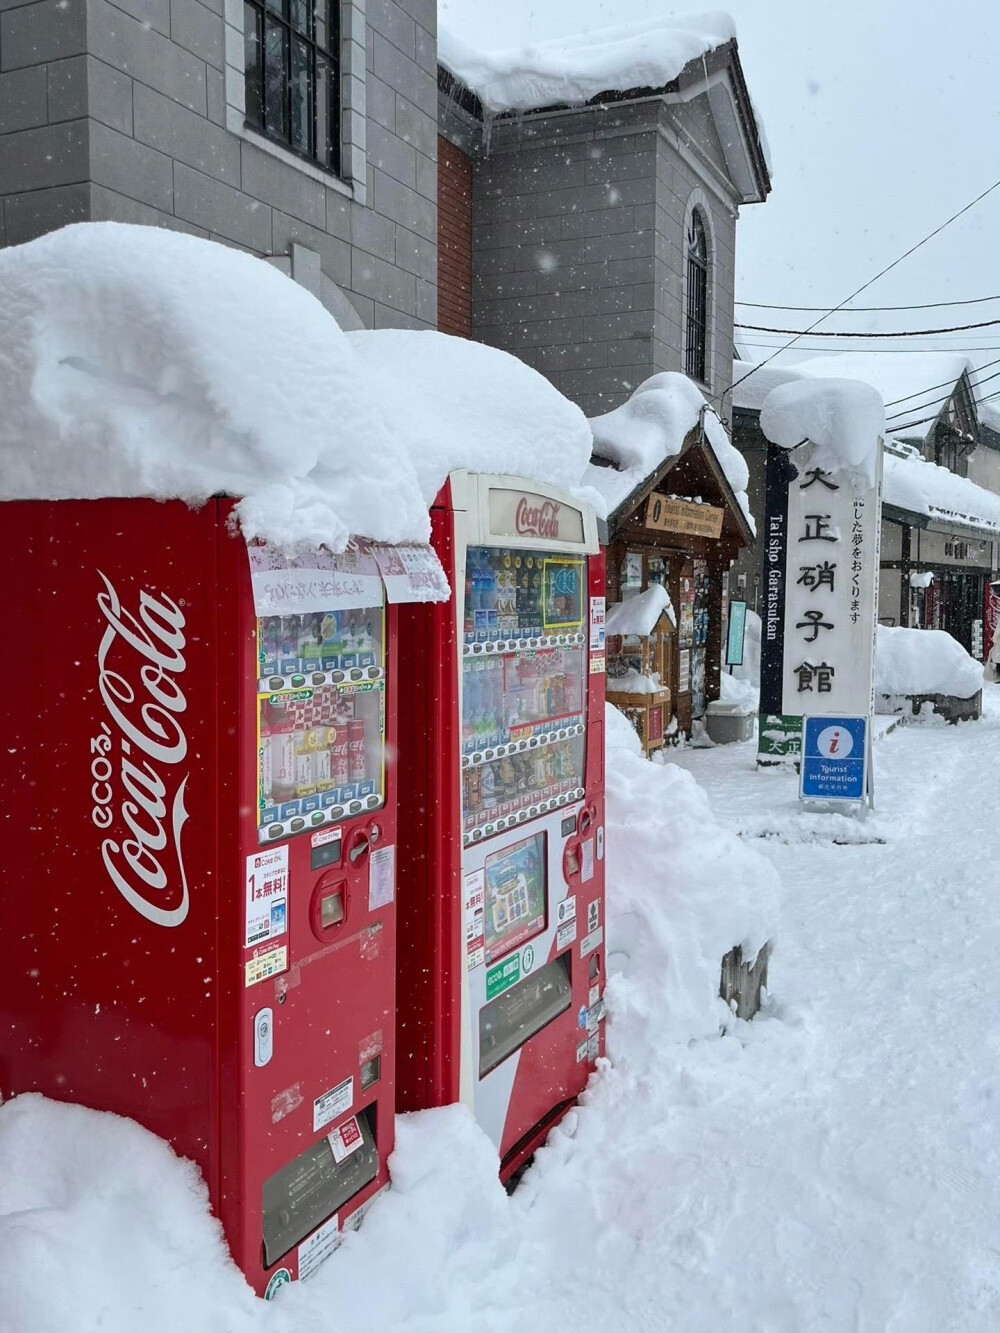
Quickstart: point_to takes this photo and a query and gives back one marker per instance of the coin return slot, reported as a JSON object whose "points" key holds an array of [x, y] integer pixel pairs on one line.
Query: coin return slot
{"points": [[331, 909]]}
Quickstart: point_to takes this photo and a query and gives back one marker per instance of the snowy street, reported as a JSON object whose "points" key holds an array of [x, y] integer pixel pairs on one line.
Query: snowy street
{"points": [[832, 1165]]}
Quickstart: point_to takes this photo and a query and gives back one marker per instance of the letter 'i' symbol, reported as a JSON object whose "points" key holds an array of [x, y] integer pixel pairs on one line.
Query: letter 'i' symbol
{"points": [[835, 742]]}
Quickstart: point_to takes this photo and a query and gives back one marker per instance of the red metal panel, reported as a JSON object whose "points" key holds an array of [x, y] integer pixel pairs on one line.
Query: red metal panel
{"points": [[131, 792], [430, 973]]}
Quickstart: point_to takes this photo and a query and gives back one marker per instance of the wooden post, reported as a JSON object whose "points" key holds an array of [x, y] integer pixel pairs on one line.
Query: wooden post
{"points": [[904, 575], [718, 567]]}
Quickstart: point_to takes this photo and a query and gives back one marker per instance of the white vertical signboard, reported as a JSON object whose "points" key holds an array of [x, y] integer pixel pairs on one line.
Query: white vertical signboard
{"points": [[831, 591]]}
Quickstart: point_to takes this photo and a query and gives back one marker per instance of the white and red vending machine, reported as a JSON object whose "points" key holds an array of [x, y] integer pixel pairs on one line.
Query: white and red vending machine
{"points": [[501, 965], [200, 819]]}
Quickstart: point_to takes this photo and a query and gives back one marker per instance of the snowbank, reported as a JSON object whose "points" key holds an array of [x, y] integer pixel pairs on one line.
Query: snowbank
{"points": [[925, 488], [736, 696], [650, 428], [460, 404], [639, 614], [103, 1228], [575, 68], [844, 419], [140, 361], [682, 892], [924, 661]]}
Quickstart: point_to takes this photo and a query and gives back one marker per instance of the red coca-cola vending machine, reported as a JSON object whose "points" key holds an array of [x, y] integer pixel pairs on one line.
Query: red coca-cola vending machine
{"points": [[501, 965], [200, 822]]}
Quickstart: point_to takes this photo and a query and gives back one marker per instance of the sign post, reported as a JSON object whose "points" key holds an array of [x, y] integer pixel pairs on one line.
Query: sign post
{"points": [[821, 596], [836, 756], [737, 632]]}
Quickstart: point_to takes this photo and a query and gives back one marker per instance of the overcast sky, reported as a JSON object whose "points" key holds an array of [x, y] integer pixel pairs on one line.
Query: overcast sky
{"points": [[883, 118]]}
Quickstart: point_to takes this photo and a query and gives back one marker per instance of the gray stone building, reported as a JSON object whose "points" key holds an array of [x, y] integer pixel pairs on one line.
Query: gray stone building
{"points": [[603, 236], [221, 119]]}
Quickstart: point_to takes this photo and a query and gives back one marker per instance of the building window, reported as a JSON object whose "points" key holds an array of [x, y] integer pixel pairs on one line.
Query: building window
{"points": [[293, 75], [697, 300]]}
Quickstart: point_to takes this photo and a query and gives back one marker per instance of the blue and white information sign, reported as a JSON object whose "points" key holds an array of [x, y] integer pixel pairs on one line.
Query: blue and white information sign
{"points": [[834, 758]]}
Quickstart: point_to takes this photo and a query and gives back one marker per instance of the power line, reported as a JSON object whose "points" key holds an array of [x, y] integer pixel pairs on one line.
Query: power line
{"points": [[869, 309], [916, 407], [942, 399], [847, 333], [868, 351], [944, 384], [878, 275]]}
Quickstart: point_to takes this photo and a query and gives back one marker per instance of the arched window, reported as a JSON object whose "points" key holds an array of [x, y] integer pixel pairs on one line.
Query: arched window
{"points": [[697, 299]]}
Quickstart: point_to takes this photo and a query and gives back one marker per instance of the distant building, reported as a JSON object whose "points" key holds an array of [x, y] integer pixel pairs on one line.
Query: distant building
{"points": [[940, 524], [589, 227]]}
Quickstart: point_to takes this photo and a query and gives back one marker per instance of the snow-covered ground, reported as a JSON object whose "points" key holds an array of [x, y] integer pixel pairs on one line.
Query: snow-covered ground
{"points": [[832, 1166]]}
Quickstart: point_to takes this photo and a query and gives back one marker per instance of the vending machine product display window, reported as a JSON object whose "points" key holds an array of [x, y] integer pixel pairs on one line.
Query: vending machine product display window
{"points": [[523, 686], [321, 719]]}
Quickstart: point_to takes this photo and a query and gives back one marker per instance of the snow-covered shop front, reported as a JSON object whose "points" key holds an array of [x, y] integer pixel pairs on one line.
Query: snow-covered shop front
{"points": [[677, 517]]}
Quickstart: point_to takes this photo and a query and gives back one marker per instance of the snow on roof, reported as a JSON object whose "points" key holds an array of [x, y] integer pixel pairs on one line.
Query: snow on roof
{"points": [[989, 415], [651, 427], [912, 386], [640, 614], [843, 419], [749, 393], [460, 404], [574, 68], [924, 661], [924, 488], [136, 361]]}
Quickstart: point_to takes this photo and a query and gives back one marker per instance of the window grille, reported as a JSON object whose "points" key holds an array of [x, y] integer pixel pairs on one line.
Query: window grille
{"points": [[697, 300], [293, 75]]}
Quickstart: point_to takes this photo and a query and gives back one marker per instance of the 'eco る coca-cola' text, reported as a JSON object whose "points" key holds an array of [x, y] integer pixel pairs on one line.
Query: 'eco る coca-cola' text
{"points": [[134, 759]]}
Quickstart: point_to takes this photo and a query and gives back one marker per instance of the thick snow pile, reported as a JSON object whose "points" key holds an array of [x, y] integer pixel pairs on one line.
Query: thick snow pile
{"points": [[735, 696], [925, 488], [460, 404], [103, 1228], [651, 427], [140, 361], [640, 613], [926, 379], [682, 892], [924, 661], [989, 414], [844, 419], [575, 68]]}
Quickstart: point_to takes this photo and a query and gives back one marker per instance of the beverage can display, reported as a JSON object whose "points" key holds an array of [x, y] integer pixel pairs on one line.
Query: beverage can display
{"points": [[357, 762], [337, 747]]}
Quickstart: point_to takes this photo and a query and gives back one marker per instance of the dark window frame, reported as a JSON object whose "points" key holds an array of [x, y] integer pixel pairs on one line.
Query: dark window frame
{"points": [[291, 61], [696, 323]]}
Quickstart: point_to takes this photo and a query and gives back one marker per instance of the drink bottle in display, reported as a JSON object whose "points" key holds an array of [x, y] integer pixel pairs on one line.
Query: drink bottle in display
{"points": [[356, 755], [338, 755]]}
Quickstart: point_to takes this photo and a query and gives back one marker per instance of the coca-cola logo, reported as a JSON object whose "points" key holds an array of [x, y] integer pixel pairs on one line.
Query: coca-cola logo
{"points": [[537, 520], [138, 789]]}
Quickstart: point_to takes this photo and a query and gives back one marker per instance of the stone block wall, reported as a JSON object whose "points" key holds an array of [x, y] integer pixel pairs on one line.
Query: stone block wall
{"points": [[578, 248], [133, 112]]}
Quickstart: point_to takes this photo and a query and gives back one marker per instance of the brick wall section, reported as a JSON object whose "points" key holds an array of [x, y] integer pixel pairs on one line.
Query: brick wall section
{"points": [[578, 249], [118, 111], [454, 240]]}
